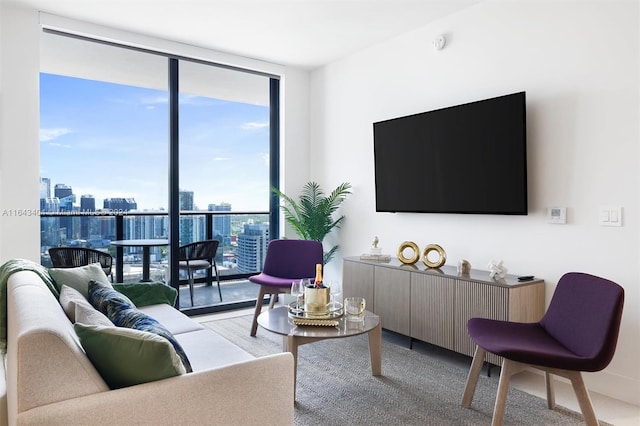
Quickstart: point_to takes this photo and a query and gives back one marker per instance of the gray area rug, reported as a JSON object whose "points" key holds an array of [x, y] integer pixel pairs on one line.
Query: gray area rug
{"points": [[335, 385]]}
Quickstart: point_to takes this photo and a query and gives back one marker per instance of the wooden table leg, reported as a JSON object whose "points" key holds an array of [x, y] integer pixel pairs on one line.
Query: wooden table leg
{"points": [[375, 350], [291, 345]]}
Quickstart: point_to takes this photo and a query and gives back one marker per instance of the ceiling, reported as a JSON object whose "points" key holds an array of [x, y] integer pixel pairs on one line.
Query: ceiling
{"points": [[301, 33]]}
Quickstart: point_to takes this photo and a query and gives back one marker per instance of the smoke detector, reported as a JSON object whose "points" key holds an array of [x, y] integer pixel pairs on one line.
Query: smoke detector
{"points": [[439, 42]]}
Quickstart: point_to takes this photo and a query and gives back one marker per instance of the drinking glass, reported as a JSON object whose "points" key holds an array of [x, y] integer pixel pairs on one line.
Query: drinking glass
{"points": [[334, 291], [297, 290], [354, 308]]}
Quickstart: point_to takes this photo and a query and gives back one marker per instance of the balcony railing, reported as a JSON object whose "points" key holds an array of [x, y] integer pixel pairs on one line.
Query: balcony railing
{"points": [[243, 237]]}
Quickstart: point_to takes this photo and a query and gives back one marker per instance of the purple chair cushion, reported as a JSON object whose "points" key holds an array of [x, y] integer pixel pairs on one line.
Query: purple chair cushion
{"points": [[579, 332], [289, 260]]}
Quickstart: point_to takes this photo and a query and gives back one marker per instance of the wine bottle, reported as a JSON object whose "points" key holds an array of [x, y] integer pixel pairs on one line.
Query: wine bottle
{"points": [[318, 280]]}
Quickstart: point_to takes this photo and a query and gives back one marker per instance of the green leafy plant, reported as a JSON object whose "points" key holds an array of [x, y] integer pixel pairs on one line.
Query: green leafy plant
{"points": [[311, 216]]}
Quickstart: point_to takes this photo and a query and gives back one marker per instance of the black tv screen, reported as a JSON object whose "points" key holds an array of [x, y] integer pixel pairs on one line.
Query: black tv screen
{"points": [[469, 158]]}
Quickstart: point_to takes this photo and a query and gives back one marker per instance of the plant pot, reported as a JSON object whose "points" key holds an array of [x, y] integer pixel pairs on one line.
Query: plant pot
{"points": [[316, 299]]}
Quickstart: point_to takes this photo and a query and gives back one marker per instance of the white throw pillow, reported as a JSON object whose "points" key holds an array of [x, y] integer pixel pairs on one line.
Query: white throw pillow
{"points": [[69, 299], [90, 316], [79, 277]]}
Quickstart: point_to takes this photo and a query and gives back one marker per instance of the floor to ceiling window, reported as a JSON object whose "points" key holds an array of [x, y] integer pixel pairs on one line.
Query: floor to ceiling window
{"points": [[107, 161]]}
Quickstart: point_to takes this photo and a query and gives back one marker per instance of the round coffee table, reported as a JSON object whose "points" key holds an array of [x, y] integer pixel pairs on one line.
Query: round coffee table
{"points": [[277, 321]]}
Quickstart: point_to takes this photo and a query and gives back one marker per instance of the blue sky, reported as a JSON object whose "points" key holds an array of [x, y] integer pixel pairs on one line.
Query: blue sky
{"points": [[111, 140]]}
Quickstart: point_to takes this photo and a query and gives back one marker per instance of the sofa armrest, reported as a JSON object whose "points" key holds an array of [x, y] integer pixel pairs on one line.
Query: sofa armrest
{"points": [[254, 392]]}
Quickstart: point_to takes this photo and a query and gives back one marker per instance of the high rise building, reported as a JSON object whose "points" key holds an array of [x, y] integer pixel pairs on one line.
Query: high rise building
{"points": [[45, 188], [120, 204], [187, 225], [89, 225], [61, 191], [87, 203], [252, 247], [65, 194], [222, 223], [186, 200]]}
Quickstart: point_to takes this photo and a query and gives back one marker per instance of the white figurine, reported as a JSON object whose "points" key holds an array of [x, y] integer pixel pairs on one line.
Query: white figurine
{"points": [[374, 247], [497, 269]]}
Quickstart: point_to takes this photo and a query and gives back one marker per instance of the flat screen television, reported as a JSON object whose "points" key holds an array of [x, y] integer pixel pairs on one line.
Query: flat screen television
{"points": [[469, 158]]}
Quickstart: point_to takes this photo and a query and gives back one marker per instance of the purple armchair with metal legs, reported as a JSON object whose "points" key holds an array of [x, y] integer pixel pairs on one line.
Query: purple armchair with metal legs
{"points": [[579, 332], [286, 261]]}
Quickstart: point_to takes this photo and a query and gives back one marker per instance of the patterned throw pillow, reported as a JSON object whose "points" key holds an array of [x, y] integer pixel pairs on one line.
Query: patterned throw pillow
{"points": [[124, 315], [101, 295]]}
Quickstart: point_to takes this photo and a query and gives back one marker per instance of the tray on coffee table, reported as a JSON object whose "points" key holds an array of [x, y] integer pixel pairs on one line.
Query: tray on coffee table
{"points": [[335, 310]]}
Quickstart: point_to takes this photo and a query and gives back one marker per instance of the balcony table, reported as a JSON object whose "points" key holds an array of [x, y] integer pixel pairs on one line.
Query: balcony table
{"points": [[146, 244]]}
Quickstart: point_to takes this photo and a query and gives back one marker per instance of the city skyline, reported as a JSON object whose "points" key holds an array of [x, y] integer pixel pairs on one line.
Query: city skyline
{"points": [[100, 206], [111, 141]]}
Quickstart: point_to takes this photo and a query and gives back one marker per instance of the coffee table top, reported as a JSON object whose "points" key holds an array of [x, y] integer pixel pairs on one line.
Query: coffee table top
{"points": [[277, 320]]}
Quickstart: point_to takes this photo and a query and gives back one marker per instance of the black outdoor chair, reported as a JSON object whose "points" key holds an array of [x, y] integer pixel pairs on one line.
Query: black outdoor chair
{"points": [[197, 256], [71, 257]]}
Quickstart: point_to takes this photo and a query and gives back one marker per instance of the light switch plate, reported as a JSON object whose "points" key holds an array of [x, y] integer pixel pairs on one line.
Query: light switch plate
{"points": [[610, 215]]}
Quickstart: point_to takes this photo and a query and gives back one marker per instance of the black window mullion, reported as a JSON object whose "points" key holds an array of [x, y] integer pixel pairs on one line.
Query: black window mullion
{"points": [[174, 188]]}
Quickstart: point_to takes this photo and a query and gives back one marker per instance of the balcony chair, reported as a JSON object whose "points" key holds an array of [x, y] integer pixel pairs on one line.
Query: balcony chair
{"points": [[198, 256], [285, 261], [71, 257], [579, 332]]}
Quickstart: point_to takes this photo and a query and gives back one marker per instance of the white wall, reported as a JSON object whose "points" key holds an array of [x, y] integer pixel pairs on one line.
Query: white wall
{"points": [[19, 143], [578, 63]]}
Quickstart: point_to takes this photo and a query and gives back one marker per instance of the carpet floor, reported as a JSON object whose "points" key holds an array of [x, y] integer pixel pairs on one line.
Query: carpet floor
{"points": [[335, 385]]}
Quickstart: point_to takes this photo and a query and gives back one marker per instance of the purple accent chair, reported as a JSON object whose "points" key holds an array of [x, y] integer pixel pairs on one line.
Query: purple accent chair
{"points": [[286, 261], [579, 332]]}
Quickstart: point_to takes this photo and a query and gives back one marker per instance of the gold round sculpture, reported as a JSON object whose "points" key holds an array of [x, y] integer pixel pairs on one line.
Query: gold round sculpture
{"points": [[434, 247], [416, 253]]}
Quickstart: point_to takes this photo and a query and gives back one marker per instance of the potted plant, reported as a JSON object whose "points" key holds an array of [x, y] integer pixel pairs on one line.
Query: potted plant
{"points": [[311, 216]]}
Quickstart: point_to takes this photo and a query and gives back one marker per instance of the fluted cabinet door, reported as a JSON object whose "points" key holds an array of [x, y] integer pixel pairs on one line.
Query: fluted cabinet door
{"points": [[474, 299], [357, 280], [392, 298], [432, 309]]}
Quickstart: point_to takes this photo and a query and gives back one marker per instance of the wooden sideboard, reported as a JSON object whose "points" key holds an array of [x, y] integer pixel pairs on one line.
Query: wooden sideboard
{"points": [[434, 305]]}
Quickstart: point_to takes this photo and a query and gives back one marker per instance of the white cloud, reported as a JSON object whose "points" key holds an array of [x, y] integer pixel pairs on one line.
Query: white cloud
{"points": [[155, 100], [221, 158], [50, 134], [254, 125]]}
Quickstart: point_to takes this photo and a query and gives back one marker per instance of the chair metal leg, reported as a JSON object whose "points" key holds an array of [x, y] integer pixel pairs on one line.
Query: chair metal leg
{"points": [[215, 268], [256, 313], [190, 273], [472, 378]]}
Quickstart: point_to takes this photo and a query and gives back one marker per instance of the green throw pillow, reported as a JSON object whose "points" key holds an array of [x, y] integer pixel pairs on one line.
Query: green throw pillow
{"points": [[124, 315], [126, 357], [144, 294], [79, 277]]}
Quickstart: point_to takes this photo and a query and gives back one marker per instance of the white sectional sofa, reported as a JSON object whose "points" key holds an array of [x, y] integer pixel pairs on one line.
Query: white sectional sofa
{"points": [[50, 380]]}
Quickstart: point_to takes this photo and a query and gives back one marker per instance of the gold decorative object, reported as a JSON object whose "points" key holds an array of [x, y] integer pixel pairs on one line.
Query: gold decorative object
{"points": [[434, 247], [416, 253]]}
